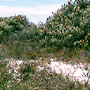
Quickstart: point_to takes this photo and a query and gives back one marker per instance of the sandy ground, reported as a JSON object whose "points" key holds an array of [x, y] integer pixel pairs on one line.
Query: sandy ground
{"points": [[75, 72]]}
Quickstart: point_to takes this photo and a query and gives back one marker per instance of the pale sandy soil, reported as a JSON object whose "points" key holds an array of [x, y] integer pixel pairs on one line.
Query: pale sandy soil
{"points": [[75, 72]]}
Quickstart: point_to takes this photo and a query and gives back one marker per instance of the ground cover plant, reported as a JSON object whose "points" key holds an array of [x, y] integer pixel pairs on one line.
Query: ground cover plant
{"points": [[65, 36]]}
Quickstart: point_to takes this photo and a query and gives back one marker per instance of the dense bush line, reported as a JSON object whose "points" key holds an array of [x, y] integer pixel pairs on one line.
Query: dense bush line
{"points": [[68, 27]]}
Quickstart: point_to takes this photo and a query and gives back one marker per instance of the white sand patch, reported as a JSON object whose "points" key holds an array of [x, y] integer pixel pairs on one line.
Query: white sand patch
{"points": [[39, 68], [75, 72], [14, 65]]}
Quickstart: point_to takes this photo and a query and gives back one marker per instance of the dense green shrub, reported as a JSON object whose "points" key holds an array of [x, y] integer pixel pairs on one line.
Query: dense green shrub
{"points": [[28, 68], [13, 24], [68, 27]]}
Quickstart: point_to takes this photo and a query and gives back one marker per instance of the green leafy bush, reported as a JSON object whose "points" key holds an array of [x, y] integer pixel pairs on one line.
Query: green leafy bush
{"points": [[68, 27], [12, 24], [28, 68]]}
